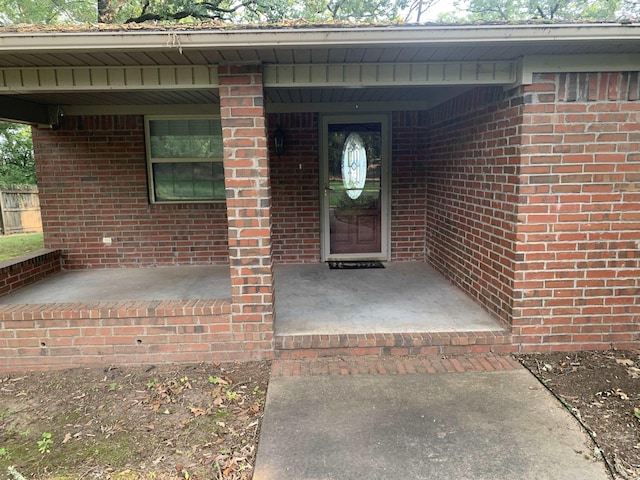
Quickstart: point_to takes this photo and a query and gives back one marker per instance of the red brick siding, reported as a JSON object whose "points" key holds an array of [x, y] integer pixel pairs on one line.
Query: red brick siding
{"points": [[578, 282], [295, 188], [23, 271], [125, 333], [472, 197], [92, 177], [408, 187], [248, 190]]}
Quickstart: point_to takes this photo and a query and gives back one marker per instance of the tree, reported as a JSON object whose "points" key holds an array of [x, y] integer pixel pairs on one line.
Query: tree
{"points": [[260, 11], [417, 8], [109, 10], [17, 164], [177, 10], [349, 10], [238, 11], [553, 10], [274, 11]]}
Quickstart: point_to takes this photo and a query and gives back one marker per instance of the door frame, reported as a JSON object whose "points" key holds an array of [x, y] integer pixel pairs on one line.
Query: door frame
{"points": [[385, 208]]}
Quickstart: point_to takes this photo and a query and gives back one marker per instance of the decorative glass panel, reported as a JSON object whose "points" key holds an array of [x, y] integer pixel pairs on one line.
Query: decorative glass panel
{"points": [[354, 165]]}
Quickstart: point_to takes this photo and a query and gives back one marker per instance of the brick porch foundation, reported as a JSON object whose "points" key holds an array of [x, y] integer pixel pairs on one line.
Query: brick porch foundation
{"points": [[39, 337]]}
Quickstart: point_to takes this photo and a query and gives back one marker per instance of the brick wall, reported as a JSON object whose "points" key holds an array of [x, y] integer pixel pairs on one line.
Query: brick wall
{"points": [[578, 279], [534, 206], [472, 197], [295, 189], [124, 333], [93, 183], [408, 187], [22, 271]]}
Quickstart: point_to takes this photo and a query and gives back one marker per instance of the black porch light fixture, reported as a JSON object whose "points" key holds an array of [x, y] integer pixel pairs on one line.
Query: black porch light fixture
{"points": [[278, 141]]}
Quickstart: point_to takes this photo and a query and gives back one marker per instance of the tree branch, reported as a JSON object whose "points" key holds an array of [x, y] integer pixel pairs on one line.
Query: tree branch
{"points": [[200, 11]]}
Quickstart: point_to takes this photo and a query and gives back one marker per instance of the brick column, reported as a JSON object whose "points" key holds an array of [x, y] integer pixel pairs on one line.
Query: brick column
{"points": [[247, 180]]}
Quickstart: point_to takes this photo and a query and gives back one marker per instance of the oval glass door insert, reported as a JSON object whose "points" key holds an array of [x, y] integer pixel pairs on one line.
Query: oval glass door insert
{"points": [[354, 165]]}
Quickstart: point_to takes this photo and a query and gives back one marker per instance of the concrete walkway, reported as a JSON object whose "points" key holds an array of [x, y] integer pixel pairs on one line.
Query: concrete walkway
{"points": [[366, 419]]}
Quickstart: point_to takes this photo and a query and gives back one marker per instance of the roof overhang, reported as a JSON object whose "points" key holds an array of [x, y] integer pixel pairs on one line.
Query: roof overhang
{"points": [[317, 37], [407, 66]]}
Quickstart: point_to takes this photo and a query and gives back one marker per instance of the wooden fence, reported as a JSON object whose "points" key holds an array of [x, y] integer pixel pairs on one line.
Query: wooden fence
{"points": [[19, 209]]}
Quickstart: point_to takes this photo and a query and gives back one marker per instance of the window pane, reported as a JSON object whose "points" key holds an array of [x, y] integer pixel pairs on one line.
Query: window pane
{"points": [[176, 138], [188, 181]]}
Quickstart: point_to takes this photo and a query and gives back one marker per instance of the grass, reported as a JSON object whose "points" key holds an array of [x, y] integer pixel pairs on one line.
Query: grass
{"points": [[12, 246]]}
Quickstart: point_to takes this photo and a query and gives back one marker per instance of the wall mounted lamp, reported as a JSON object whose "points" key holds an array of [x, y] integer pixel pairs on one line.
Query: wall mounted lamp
{"points": [[278, 141]]}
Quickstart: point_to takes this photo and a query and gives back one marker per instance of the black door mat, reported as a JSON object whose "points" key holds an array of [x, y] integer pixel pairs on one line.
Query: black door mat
{"points": [[355, 264]]}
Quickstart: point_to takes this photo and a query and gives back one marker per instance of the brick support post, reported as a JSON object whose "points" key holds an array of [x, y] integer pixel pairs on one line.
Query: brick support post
{"points": [[247, 180]]}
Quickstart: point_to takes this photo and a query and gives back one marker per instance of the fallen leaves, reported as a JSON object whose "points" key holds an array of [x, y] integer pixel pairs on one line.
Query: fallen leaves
{"points": [[633, 372], [205, 417], [614, 393], [600, 387], [627, 362]]}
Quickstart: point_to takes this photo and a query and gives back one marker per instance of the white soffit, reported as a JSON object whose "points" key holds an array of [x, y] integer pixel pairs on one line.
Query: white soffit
{"points": [[28, 80]]}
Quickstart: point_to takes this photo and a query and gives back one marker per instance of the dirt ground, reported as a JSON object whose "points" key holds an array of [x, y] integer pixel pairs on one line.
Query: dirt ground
{"points": [[601, 389], [203, 421], [189, 421]]}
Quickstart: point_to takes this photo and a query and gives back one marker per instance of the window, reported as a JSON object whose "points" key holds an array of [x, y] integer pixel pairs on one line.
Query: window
{"points": [[184, 157]]}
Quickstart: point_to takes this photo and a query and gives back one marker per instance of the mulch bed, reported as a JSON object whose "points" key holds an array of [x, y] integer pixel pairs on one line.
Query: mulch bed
{"points": [[602, 390]]}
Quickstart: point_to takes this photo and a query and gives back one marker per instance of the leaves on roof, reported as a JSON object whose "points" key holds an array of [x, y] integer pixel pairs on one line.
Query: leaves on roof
{"points": [[287, 24]]}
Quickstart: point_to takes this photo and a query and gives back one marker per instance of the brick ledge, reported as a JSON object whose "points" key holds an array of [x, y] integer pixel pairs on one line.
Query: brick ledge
{"points": [[120, 309]]}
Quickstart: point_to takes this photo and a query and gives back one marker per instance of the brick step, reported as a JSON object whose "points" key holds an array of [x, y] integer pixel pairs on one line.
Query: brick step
{"points": [[385, 344], [368, 365]]}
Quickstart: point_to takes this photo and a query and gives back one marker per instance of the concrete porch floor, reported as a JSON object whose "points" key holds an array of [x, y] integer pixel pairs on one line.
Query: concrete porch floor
{"points": [[121, 284], [403, 297], [310, 299]]}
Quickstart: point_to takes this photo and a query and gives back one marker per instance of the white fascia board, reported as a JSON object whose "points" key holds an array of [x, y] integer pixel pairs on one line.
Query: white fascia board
{"points": [[528, 65], [229, 38]]}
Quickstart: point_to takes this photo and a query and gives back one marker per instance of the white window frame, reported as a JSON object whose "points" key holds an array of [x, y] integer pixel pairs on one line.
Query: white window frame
{"points": [[152, 161]]}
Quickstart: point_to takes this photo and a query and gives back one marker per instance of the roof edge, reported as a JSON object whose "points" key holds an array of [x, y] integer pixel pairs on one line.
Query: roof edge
{"points": [[138, 39]]}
